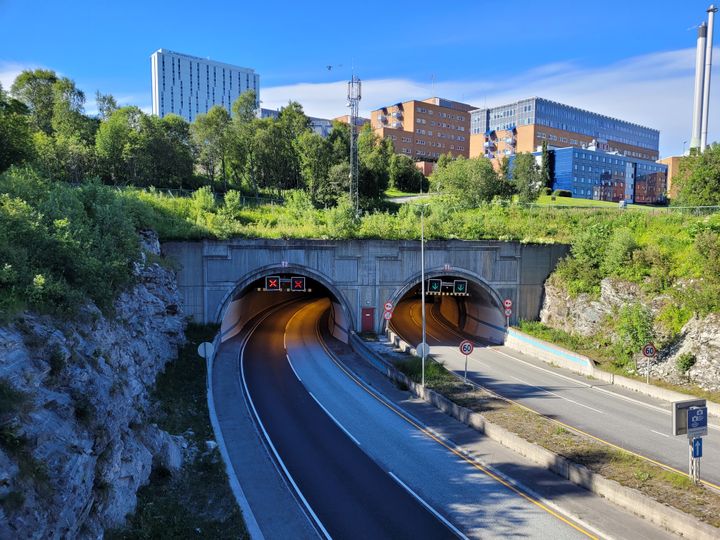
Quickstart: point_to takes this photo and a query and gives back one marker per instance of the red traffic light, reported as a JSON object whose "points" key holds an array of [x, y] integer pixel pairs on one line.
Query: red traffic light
{"points": [[272, 283], [297, 283]]}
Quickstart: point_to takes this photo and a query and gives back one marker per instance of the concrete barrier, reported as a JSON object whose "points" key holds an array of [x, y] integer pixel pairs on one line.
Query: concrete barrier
{"points": [[630, 499], [577, 363]]}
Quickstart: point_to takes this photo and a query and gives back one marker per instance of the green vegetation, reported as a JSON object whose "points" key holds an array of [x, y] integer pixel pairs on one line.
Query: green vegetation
{"points": [[195, 502], [685, 361], [699, 180]]}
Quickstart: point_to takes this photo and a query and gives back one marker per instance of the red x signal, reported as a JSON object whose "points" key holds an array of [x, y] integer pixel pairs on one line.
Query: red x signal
{"points": [[272, 283], [297, 283]]}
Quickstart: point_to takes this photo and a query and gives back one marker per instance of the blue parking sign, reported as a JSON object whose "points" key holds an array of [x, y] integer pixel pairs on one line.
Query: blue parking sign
{"points": [[697, 448], [697, 422]]}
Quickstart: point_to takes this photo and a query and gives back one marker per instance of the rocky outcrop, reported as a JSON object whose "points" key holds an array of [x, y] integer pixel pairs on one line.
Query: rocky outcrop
{"points": [[585, 314], [74, 396], [695, 356], [691, 357]]}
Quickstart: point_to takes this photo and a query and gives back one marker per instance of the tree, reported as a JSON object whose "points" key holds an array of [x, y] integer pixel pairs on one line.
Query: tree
{"points": [[470, 182], [405, 176], [113, 141], [35, 90], [315, 161], [526, 177], [504, 168], [339, 139], [699, 178], [16, 144], [374, 159], [210, 135], [546, 167], [244, 107], [106, 105]]}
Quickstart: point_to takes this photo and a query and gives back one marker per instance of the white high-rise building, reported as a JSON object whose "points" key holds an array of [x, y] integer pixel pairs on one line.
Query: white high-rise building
{"points": [[187, 85]]}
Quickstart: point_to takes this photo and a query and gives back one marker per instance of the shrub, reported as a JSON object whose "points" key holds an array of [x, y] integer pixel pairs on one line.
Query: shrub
{"points": [[562, 193], [684, 362], [634, 327], [546, 191]]}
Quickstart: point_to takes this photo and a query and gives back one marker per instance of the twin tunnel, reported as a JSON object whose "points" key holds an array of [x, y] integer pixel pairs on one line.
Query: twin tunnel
{"points": [[476, 313]]}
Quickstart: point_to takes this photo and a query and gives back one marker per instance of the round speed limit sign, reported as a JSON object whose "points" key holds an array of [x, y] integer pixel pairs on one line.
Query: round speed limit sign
{"points": [[466, 347], [649, 350], [507, 303]]}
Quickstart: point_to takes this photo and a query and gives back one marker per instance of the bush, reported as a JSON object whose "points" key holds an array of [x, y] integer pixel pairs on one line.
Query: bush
{"points": [[684, 362], [546, 191], [562, 193], [634, 328]]}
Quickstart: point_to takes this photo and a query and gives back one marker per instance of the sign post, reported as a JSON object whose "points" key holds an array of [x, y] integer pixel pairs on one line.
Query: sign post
{"points": [[466, 348], [649, 351], [690, 418]]}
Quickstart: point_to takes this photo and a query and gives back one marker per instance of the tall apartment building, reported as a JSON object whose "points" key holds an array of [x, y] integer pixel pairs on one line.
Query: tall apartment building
{"points": [[522, 126], [187, 85], [424, 130]]}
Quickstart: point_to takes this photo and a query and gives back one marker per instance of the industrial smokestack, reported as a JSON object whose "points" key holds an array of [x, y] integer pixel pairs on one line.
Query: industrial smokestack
{"points": [[706, 77], [699, 78]]}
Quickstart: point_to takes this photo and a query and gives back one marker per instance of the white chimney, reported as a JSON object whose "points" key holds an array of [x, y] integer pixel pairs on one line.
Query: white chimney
{"points": [[699, 78], [706, 77]]}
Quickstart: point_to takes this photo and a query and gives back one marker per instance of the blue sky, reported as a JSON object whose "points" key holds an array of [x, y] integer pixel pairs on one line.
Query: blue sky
{"points": [[631, 59]]}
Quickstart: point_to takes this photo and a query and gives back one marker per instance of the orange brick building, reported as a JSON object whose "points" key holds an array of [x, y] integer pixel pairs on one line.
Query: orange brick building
{"points": [[673, 170], [424, 130]]}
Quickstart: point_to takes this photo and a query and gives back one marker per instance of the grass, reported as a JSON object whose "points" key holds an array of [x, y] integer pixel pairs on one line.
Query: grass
{"points": [[393, 192], [667, 487], [195, 502]]}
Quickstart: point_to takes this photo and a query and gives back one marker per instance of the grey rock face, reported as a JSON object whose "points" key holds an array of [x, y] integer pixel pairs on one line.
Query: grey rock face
{"points": [[81, 445], [586, 315]]}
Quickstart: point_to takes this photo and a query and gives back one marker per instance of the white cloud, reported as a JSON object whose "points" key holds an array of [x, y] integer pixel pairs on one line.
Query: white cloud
{"points": [[10, 70], [654, 90]]}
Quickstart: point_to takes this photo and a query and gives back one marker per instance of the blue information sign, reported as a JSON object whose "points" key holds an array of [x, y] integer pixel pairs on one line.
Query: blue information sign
{"points": [[697, 448], [697, 421]]}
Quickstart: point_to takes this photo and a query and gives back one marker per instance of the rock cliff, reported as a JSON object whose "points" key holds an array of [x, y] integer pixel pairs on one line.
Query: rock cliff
{"points": [[74, 395], [693, 356]]}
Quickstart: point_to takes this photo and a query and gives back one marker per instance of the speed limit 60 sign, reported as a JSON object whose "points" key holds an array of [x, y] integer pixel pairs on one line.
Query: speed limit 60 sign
{"points": [[466, 347], [507, 303], [649, 350]]}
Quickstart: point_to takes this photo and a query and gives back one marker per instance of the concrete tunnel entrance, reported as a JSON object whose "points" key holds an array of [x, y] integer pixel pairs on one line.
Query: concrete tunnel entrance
{"points": [[457, 301], [272, 286]]}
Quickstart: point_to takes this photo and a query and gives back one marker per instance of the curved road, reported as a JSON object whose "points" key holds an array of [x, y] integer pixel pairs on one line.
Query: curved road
{"points": [[362, 470], [350, 495], [631, 421]]}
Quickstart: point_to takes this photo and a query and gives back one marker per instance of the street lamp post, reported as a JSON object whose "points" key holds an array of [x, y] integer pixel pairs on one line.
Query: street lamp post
{"points": [[422, 278]]}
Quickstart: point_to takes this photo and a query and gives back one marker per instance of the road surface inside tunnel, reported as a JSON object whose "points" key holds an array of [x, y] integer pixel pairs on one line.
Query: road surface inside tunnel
{"points": [[345, 491]]}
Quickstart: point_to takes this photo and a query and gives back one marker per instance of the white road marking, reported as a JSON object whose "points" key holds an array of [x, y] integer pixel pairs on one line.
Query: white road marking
{"points": [[293, 367], [314, 516], [556, 395], [658, 433], [338, 424], [434, 512]]}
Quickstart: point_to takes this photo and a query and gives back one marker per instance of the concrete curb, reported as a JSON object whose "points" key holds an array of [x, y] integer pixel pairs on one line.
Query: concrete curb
{"points": [[577, 363], [250, 522], [632, 500]]}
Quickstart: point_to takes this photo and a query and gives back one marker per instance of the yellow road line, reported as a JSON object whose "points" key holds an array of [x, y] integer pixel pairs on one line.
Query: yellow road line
{"points": [[452, 449]]}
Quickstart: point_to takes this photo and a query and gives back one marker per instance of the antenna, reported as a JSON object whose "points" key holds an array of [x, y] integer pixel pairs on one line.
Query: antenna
{"points": [[354, 95]]}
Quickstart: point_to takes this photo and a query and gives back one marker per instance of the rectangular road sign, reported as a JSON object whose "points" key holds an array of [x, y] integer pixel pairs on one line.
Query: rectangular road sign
{"points": [[697, 447], [272, 283], [679, 414], [697, 422]]}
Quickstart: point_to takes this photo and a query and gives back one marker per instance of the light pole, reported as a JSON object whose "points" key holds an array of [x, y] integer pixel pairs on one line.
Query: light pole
{"points": [[422, 278]]}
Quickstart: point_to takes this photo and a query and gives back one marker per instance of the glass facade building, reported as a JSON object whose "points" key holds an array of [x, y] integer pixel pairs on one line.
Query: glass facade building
{"points": [[542, 112], [591, 174]]}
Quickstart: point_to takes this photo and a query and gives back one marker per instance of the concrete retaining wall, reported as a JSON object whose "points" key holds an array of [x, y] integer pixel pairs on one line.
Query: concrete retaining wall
{"points": [[630, 499], [553, 354]]}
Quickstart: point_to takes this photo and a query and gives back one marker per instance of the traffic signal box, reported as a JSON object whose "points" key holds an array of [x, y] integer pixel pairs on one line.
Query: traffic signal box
{"points": [[434, 286], [460, 286], [297, 284], [272, 283]]}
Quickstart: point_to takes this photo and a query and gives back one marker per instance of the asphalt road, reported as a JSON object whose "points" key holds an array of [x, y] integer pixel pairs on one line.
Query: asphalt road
{"points": [[475, 502], [349, 493], [625, 419]]}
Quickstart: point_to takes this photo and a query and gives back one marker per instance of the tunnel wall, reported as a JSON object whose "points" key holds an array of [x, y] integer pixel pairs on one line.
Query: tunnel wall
{"points": [[338, 323], [240, 311], [449, 309], [485, 321]]}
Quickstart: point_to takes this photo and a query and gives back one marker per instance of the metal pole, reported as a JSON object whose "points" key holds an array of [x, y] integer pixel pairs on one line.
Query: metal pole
{"points": [[706, 77], [422, 277], [698, 98], [466, 368], [647, 375]]}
